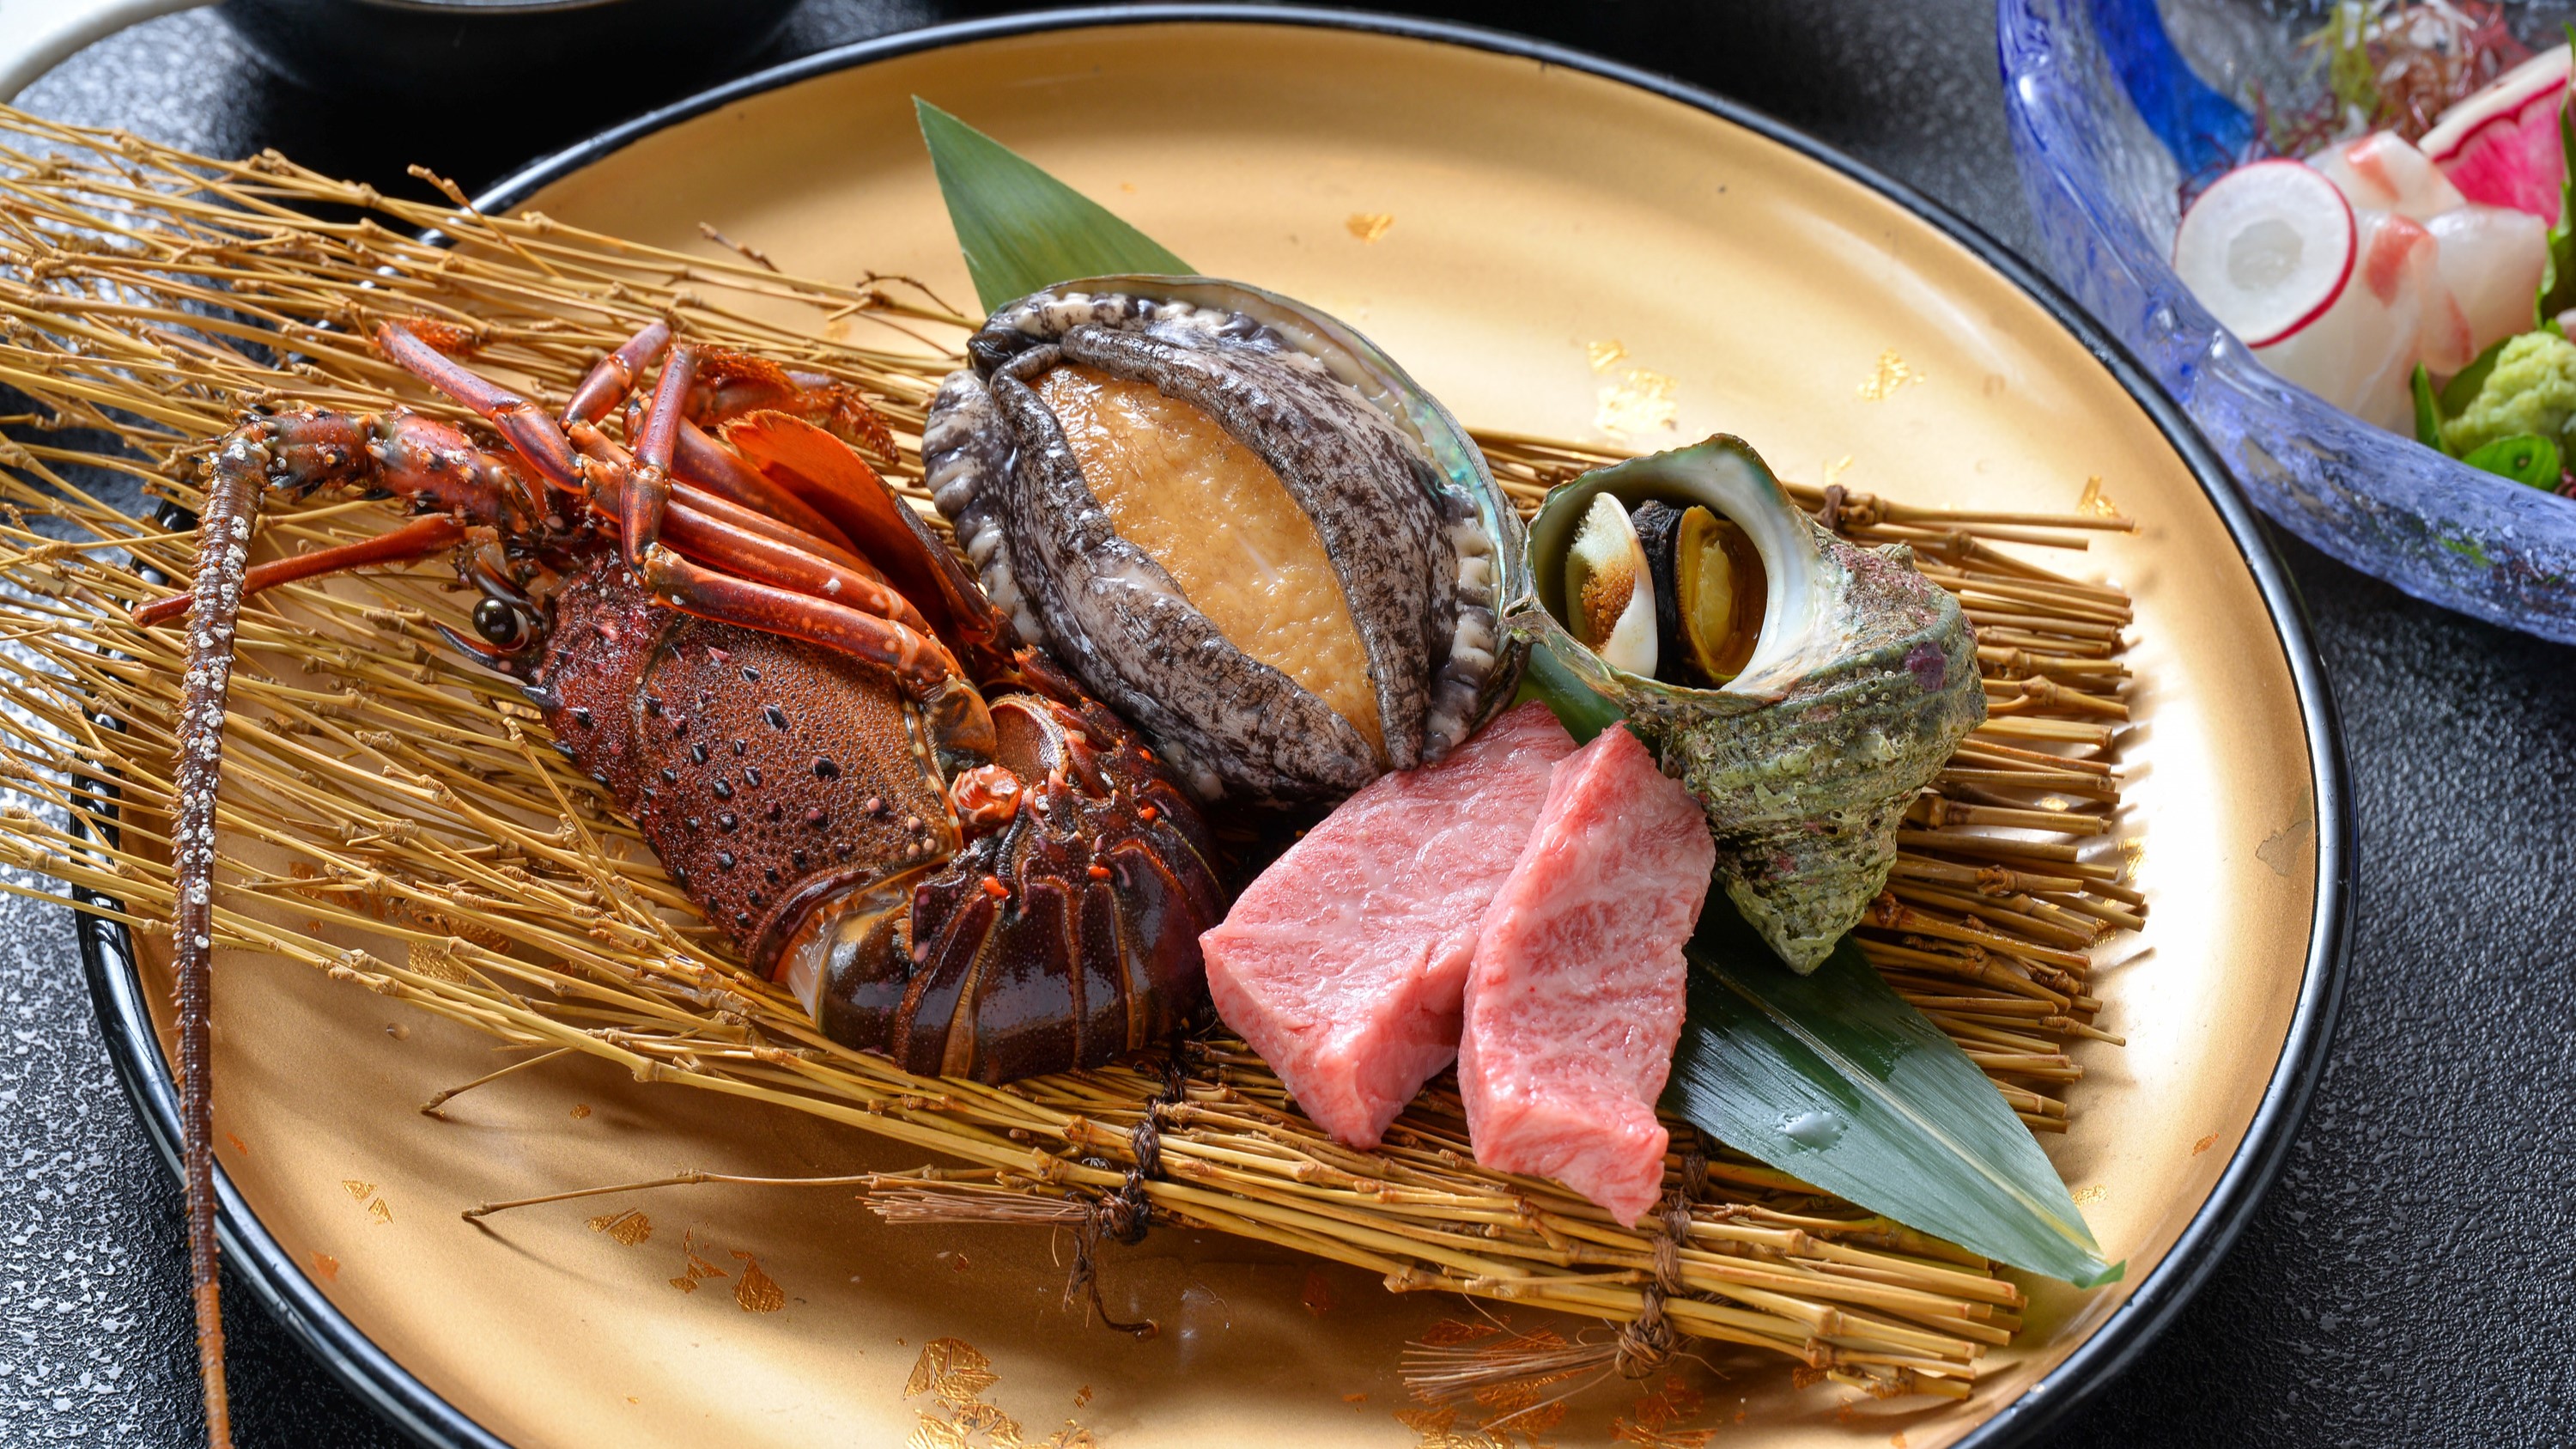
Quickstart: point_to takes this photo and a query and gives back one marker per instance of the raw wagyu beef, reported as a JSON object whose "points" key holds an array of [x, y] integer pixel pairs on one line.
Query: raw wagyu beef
{"points": [[1574, 1001], [1344, 963]]}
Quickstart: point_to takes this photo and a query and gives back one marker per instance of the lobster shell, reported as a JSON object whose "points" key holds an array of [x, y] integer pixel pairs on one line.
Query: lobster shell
{"points": [[796, 796]]}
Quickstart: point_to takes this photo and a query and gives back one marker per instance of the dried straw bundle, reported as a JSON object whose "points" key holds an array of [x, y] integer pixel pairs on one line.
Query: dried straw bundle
{"points": [[375, 782]]}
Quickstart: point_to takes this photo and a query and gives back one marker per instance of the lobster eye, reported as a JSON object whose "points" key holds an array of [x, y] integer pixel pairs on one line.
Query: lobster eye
{"points": [[504, 625]]}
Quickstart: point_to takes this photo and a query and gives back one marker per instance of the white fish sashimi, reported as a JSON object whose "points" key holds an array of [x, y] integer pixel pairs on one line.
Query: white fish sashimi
{"points": [[2360, 353], [2345, 271], [2490, 263], [2385, 172]]}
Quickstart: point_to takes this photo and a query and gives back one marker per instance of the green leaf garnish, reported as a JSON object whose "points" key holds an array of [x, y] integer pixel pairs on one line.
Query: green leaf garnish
{"points": [[1839, 1082], [2524, 458], [2428, 413], [1021, 229]]}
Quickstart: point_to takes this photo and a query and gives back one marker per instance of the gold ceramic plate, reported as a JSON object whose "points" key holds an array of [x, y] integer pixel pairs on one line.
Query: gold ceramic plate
{"points": [[1550, 249]]}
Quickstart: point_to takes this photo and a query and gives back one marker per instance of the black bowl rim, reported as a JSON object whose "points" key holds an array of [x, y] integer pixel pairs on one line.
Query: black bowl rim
{"points": [[283, 1288]]}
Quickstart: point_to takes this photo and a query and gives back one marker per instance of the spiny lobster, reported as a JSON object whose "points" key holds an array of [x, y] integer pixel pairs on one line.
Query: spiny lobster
{"points": [[830, 737]]}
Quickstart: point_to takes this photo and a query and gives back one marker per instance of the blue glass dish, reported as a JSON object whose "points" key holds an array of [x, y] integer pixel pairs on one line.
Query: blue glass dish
{"points": [[2112, 104]]}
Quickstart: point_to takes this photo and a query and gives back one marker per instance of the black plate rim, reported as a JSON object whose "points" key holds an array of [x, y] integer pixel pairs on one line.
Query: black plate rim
{"points": [[283, 1288]]}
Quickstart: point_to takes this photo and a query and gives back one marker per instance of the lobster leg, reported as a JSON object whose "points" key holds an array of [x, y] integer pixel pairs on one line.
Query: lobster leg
{"points": [[647, 491], [822, 470], [417, 539], [530, 432], [700, 459], [613, 376], [770, 601], [721, 540], [643, 503], [806, 458], [548, 448], [957, 718], [597, 448], [736, 384]]}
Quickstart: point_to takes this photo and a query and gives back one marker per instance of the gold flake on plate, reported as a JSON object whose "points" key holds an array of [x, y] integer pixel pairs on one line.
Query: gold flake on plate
{"points": [[1437, 1428], [1891, 374], [1368, 226], [1605, 354], [1659, 1418], [2280, 849], [755, 1291], [952, 1371], [629, 1227], [1450, 1332], [692, 1266], [956, 1375], [1640, 401], [2096, 502]]}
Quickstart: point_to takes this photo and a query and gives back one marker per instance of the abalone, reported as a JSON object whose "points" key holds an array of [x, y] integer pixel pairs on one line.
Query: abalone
{"points": [[1860, 681], [1236, 522]]}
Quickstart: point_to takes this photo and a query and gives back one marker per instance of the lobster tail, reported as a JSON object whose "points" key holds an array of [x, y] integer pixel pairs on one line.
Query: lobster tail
{"points": [[233, 496]]}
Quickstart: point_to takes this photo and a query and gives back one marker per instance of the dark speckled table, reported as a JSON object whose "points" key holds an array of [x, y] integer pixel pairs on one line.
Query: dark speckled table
{"points": [[2408, 1282]]}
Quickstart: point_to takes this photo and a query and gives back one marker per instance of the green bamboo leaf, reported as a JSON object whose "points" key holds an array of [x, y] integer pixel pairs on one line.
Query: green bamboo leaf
{"points": [[1582, 711], [1836, 1080], [1022, 229], [2428, 414]]}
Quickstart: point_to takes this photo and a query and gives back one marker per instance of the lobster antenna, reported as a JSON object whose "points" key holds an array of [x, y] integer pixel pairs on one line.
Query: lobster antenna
{"points": [[233, 496]]}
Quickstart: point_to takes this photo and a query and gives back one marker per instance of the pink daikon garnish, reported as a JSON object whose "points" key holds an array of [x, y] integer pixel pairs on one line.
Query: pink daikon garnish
{"points": [[2500, 146]]}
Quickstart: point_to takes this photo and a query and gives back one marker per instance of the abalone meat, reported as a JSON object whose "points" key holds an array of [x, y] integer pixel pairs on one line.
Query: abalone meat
{"points": [[1239, 524], [1809, 687]]}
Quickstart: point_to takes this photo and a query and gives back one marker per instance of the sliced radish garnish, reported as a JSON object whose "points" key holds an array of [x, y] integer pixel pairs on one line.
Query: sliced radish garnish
{"points": [[2501, 145], [2386, 173], [2490, 264], [2360, 352], [2267, 248]]}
